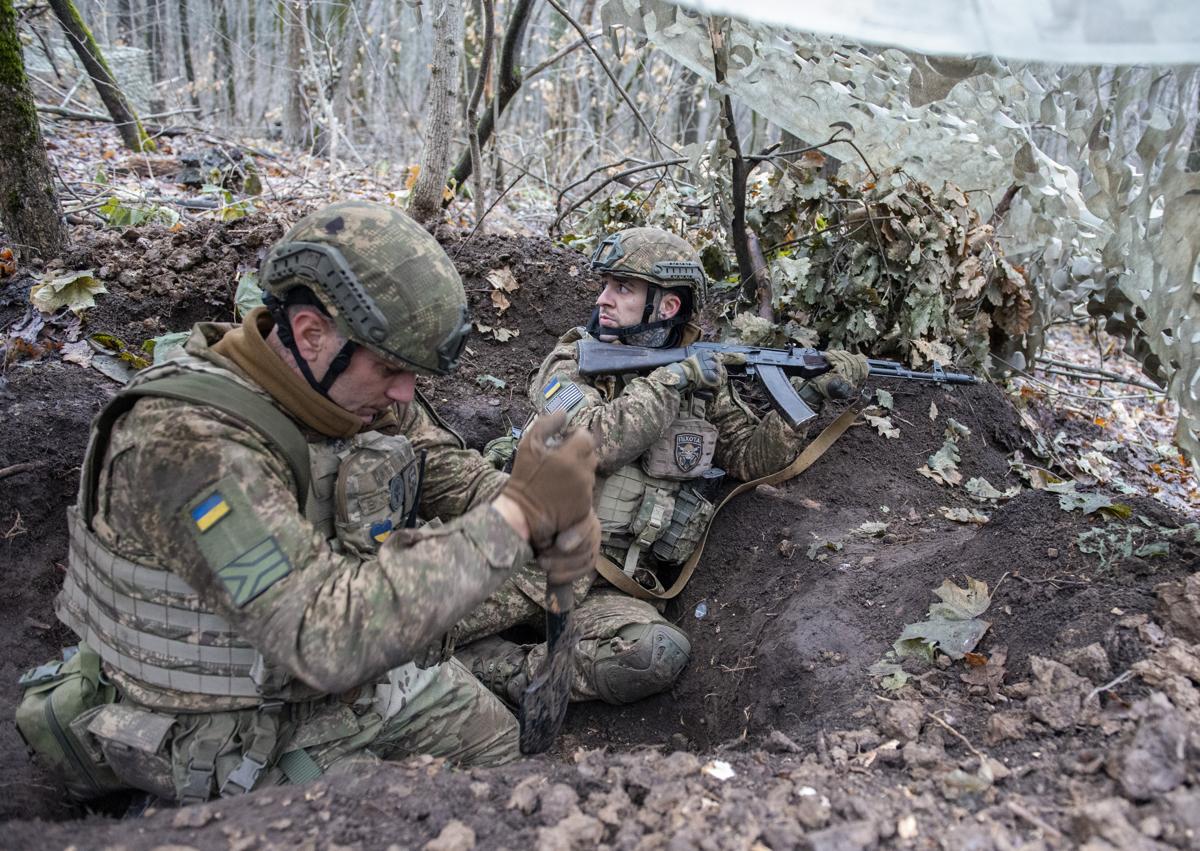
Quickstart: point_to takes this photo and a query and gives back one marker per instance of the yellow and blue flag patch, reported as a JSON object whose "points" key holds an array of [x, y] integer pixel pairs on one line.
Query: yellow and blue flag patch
{"points": [[561, 395], [209, 511]]}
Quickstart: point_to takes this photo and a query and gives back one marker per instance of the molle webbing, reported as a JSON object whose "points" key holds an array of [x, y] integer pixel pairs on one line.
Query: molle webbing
{"points": [[147, 622], [143, 620]]}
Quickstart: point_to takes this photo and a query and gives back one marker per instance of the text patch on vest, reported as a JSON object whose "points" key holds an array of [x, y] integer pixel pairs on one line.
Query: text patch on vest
{"points": [[239, 548]]}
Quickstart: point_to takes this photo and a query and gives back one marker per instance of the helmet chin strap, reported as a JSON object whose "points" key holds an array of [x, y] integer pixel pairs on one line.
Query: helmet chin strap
{"points": [[646, 328], [283, 327]]}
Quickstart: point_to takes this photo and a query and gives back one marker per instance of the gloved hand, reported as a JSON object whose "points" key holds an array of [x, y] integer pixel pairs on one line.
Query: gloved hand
{"points": [[573, 553], [499, 451], [552, 478], [702, 371], [849, 371]]}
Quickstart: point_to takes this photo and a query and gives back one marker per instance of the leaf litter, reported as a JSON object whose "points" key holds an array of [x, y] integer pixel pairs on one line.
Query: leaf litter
{"points": [[952, 626]]}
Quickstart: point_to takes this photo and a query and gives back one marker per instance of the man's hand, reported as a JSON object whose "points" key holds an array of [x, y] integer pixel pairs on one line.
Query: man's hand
{"points": [[573, 554], [552, 478], [849, 371], [702, 371]]}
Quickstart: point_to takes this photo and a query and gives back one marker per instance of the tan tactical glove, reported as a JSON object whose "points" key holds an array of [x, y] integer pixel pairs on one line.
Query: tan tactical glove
{"points": [[573, 555], [849, 371], [702, 371], [552, 478]]}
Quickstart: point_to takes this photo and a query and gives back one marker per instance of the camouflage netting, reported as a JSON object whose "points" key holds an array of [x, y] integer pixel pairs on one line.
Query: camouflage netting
{"points": [[1103, 213]]}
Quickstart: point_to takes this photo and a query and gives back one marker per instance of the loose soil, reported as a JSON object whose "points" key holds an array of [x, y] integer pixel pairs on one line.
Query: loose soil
{"points": [[778, 687]]}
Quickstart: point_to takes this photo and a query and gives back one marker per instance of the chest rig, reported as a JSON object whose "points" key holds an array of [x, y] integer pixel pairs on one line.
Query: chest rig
{"points": [[652, 512], [148, 625]]}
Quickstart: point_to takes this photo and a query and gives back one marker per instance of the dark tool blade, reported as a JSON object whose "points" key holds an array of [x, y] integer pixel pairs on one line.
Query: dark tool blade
{"points": [[544, 702]]}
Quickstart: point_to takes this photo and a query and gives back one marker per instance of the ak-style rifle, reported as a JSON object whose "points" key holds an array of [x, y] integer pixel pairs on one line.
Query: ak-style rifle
{"points": [[772, 367]]}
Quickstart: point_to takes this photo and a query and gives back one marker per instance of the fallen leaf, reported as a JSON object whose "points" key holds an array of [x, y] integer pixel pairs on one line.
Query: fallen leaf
{"points": [[503, 335], [883, 425], [933, 411], [1090, 503], [951, 626], [500, 301], [990, 673], [503, 279], [490, 381], [884, 399], [78, 353], [76, 291], [982, 490], [871, 529], [248, 294], [963, 515]]}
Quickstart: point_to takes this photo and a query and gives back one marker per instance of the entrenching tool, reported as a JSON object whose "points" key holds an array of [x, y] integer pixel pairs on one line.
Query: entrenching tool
{"points": [[544, 702]]}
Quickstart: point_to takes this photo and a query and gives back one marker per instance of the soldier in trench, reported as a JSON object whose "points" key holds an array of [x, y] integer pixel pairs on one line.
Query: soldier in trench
{"points": [[662, 439], [257, 601]]}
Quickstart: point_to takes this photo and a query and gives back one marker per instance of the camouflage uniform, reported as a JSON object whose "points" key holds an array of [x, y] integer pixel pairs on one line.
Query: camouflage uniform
{"points": [[629, 649], [253, 643]]}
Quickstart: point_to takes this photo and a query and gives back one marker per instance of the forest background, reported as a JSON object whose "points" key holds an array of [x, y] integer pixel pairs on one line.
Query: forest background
{"points": [[929, 208]]}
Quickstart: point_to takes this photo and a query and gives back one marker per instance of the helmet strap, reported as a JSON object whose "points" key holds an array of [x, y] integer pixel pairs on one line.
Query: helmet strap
{"points": [[283, 327]]}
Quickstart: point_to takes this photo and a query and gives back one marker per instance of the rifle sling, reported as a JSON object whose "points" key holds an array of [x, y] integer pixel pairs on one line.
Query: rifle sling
{"points": [[612, 572]]}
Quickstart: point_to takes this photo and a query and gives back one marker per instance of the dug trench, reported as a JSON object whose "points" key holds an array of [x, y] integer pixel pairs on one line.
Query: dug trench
{"points": [[777, 733]]}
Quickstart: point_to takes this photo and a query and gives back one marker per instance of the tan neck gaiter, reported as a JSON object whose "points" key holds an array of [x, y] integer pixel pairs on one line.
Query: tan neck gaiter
{"points": [[247, 347]]}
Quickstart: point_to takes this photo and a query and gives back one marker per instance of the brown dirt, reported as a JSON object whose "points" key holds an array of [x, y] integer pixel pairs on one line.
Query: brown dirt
{"points": [[780, 658]]}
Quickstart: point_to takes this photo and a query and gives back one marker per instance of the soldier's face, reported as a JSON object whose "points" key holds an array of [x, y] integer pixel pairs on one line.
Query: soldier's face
{"points": [[370, 385], [621, 302]]}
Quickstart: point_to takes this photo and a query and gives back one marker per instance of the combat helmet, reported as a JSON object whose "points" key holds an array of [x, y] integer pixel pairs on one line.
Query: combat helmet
{"points": [[663, 260], [385, 282]]}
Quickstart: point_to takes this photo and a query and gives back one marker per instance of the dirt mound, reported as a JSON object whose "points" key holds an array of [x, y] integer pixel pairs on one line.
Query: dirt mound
{"points": [[796, 599]]}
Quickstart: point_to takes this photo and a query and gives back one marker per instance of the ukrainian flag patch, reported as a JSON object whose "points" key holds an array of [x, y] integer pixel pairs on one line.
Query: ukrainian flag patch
{"points": [[560, 395], [209, 511], [381, 530]]}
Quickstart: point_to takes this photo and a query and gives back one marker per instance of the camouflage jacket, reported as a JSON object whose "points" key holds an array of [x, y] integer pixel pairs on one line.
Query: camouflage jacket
{"points": [[333, 620], [626, 417]]}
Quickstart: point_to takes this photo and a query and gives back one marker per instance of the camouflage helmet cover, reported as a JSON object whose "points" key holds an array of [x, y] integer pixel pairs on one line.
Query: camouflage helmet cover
{"points": [[383, 279], [655, 256]]}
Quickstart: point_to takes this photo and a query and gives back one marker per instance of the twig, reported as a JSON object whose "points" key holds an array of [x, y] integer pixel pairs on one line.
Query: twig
{"points": [[1109, 686], [1022, 813], [15, 469], [491, 207], [982, 756], [1103, 374]]}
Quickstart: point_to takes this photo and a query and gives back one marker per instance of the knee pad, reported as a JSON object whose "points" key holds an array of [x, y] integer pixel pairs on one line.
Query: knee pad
{"points": [[655, 659]]}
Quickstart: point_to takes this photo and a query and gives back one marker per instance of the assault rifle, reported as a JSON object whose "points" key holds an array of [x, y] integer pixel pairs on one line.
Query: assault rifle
{"points": [[772, 368]]}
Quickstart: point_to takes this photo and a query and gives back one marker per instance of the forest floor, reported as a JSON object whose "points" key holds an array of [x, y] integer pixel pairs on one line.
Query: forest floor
{"points": [[1075, 721]]}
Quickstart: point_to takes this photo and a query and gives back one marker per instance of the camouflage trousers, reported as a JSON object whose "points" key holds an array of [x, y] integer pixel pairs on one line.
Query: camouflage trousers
{"points": [[193, 757], [602, 613]]}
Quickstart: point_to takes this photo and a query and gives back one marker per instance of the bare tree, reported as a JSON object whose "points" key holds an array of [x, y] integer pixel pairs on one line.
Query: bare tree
{"points": [[93, 61], [225, 55], [297, 130], [509, 84], [185, 47], [29, 208], [425, 205]]}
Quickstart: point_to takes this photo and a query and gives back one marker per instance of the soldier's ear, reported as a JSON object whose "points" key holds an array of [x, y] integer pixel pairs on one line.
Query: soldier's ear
{"points": [[669, 305], [313, 332]]}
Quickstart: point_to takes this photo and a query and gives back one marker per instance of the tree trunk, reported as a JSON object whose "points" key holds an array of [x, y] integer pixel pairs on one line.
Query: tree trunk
{"points": [[509, 85], [125, 21], [185, 46], [81, 39], [425, 205], [29, 208], [472, 114], [156, 47], [225, 55], [296, 130]]}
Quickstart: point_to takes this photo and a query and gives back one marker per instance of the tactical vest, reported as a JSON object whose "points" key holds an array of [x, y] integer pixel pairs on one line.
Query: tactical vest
{"points": [[653, 506], [146, 622]]}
